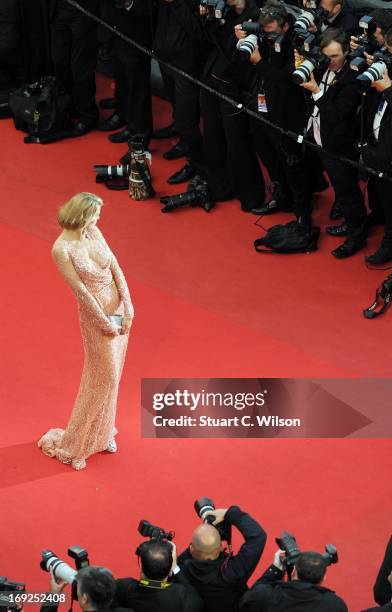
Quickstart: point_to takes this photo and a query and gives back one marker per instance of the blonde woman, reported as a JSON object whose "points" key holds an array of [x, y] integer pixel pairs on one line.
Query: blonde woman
{"points": [[91, 270]]}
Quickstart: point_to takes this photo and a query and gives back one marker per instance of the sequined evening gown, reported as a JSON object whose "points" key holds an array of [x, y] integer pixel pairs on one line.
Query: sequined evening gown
{"points": [[101, 289]]}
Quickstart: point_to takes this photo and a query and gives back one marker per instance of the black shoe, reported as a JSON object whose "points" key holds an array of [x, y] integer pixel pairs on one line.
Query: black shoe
{"points": [[336, 211], [179, 150], [124, 159], [119, 137], [114, 122], [208, 205], [165, 132], [320, 184], [373, 219], [271, 207], [337, 230], [381, 256], [183, 175], [80, 128], [348, 248], [108, 103]]}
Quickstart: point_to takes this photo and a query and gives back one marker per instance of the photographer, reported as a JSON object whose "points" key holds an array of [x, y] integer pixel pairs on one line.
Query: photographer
{"points": [[337, 15], [273, 93], [334, 126], [377, 151], [383, 21], [304, 592], [131, 68], [220, 578], [74, 54], [95, 589], [162, 586], [231, 164], [387, 585], [177, 41]]}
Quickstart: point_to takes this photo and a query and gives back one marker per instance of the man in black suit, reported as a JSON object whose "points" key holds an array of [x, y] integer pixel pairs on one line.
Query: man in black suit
{"points": [[334, 126], [162, 586], [74, 54], [339, 16], [221, 578], [378, 154]]}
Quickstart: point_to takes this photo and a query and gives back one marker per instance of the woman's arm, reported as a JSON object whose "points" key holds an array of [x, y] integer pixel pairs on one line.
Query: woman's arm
{"points": [[66, 268]]}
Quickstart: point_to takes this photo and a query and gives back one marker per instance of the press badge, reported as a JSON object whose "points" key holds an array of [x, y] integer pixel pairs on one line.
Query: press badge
{"points": [[261, 103]]}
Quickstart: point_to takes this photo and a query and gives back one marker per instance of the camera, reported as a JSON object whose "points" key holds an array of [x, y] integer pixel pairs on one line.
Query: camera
{"points": [[204, 505], [366, 42], [314, 60], [7, 586], [315, 15], [156, 534], [120, 170], [216, 9], [247, 45], [382, 63], [287, 542], [61, 569]]}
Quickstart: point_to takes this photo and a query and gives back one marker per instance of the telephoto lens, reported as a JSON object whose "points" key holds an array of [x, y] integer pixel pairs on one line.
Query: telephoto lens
{"points": [[60, 569], [375, 72], [202, 506], [303, 72], [119, 170], [188, 198], [250, 27], [248, 44]]}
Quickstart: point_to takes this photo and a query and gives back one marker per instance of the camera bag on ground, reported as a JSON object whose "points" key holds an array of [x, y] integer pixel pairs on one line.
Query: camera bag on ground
{"points": [[289, 238], [42, 109], [382, 300]]}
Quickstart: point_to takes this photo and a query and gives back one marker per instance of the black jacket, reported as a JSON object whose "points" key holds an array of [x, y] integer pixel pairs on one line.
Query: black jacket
{"points": [[378, 154], [222, 59], [347, 20], [270, 594], [286, 102], [89, 5], [138, 23], [221, 583], [178, 34], [382, 589], [9, 26], [180, 596], [338, 108]]}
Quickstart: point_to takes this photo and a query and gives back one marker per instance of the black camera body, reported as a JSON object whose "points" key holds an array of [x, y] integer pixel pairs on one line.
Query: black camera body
{"points": [[7, 586], [287, 542], [154, 533], [202, 506], [369, 74], [366, 42]]}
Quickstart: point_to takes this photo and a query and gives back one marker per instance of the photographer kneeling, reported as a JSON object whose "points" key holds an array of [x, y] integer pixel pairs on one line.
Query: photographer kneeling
{"points": [[220, 578], [162, 586], [334, 126], [304, 592]]}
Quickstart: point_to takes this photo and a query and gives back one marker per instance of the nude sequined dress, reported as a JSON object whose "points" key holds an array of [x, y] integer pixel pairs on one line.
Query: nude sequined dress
{"points": [[101, 289]]}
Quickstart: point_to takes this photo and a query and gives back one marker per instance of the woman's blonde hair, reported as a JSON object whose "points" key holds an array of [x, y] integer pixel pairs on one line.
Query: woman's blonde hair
{"points": [[78, 211]]}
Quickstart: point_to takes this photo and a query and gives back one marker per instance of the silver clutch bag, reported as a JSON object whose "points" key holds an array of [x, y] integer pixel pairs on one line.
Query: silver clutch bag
{"points": [[115, 320]]}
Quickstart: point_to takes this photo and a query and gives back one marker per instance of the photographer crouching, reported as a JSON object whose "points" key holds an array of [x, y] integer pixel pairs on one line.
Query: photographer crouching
{"points": [[220, 577], [303, 590], [162, 585], [335, 94]]}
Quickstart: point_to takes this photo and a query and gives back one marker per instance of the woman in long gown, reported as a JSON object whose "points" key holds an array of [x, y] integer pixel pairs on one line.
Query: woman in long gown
{"points": [[91, 270]]}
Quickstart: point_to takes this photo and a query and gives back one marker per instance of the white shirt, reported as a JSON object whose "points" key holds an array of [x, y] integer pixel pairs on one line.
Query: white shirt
{"points": [[314, 119], [378, 117]]}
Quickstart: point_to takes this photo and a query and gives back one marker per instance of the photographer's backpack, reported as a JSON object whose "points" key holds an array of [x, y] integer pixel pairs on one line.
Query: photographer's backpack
{"points": [[42, 109], [289, 238]]}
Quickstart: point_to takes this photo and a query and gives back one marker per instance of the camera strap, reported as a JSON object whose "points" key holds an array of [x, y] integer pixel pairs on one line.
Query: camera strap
{"points": [[155, 584]]}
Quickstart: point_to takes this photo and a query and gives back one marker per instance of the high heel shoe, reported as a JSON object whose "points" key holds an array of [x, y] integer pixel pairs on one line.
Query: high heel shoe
{"points": [[112, 446]]}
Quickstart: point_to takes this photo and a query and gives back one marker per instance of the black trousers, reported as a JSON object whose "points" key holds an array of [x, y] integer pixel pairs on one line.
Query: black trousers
{"points": [[288, 164], [132, 73], [380, 200], [231, 163], [74, 53], [185, 100], [345, 182]]}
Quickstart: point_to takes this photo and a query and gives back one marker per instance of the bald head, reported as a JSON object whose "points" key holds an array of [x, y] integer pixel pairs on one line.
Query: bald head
{"points": [[206, 543]]}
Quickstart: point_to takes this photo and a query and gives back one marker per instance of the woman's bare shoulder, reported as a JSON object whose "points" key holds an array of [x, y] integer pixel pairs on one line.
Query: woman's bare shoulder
{"points": [[60, 247]]}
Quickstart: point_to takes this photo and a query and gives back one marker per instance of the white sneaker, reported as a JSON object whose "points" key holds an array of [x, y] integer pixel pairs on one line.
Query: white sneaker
{"points": [[112, 446]]}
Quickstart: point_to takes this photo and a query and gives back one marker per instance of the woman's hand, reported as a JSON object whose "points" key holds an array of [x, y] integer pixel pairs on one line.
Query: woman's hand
{"points": [[126, 324]]}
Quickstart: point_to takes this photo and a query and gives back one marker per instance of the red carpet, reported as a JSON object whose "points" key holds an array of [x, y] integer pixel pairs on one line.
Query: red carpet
{"points": [[206, 305]]}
